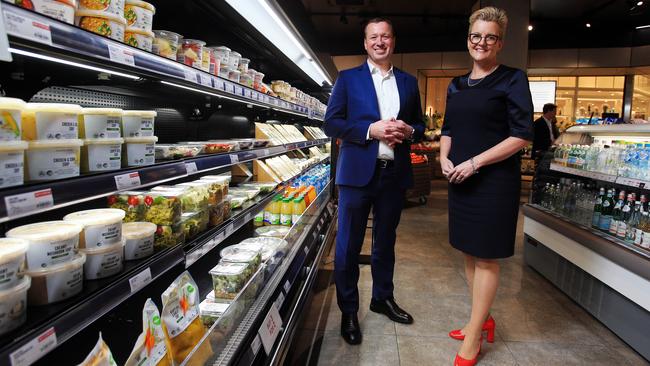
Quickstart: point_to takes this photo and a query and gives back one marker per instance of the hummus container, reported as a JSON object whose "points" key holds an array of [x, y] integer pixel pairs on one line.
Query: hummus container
{"points": [[12, 162], [12, 260], [138, 123], [62, 10], [102, 227], [50, 121], [233, 60], [139, 14], [192, 52], [56, 283], [223, 53], [108, 7], [11, 118], [100, 155], [166, 43], [139, 151], [138, 239], [103, 262], [100, 123], [50, 242], [139, 38], [13, 306], [103, 23], [52, 160]]}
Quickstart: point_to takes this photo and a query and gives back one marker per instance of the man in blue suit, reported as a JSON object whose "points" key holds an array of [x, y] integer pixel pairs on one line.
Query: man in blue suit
{"points": [[375, 111]]}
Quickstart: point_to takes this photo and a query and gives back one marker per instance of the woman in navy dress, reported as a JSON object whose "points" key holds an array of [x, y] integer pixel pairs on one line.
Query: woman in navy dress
{"points": [[488, 120]]}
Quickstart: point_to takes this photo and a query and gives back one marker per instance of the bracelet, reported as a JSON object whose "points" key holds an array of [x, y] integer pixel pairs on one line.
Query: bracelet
{"points": [[471, 161]]}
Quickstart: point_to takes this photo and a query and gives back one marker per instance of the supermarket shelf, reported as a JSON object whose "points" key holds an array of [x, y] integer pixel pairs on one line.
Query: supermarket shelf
{"points": [[631, 182], [611, 130], [36, 33], [16, 202]]}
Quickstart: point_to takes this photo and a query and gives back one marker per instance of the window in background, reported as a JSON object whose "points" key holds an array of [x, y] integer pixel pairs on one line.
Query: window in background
{"points": [[641, 97], [436, 95]]}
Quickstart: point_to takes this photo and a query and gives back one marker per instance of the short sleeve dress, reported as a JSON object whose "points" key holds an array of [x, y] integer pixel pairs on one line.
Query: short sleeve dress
{"points": [[483, 209]]}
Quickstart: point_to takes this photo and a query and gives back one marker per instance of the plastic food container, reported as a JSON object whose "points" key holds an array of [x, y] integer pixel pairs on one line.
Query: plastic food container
{"points": [[138, 239], [100, 123], [104, 23], [163, 207], [214, 63], [56, 283], [253, 143], [100, 155], [166, 43], [139, 151], [102, 227], [190, 199], [246, 80], [244, 144], [138, 123], [115, 7], [139, 15], [217, 214], [200, 190], [13, 305], [227, 207], [211, 311], [50, 242], [217, 147], [275, 231], [50, 121], [223, 180], [11, 118], [236, 201], [248, 192], [234, 75], [243, 65], [103, 262], [223, 53], [262, 187], [233, 60], [206, 58], [194, 223], [270, 246], [258, 80], [227, 280], [224, 71], [139, 38], [169, 235], [192, 52], [12, 260], [213, 188], [177, 151], [12, 163], [51, 160], [62, 10], [131, 202], [237, 254]]}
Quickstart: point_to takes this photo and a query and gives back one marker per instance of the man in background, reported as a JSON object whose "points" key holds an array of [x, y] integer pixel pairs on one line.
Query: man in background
{"points": [[546, 132]]}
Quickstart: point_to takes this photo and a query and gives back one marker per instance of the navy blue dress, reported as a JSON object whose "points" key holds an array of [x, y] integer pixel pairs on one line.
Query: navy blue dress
{"points": [[483, 209]]}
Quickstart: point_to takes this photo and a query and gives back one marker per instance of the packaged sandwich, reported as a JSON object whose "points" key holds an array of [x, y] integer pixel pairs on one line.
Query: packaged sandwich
{"points": [[150, 348], [100, 355]]}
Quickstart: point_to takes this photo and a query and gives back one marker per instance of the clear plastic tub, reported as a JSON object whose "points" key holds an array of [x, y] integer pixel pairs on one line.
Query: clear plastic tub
{"points": [[62, 10], [102, 23], [101, 155], [211, 311], [194, 223], [139, 151], [50, 242], [114, 7], [50, 121], [131, 202], [103, 262], [139, 14], [13, 305], [258, 80], [214, 64], [217, 147], [236, 201], [12, 163], [56, 283], [214, 189], [139, 38], [11, 118], [244, 144], [177, 151], [190, 199], [166, 43], [223, 53], [246, 80], [52, 159], [100, 123], [217, 214], [233, 60], [239, 254], [249, 192], [192, 52], [138, 123], [234, 75], [138, 239], [275, 231], [102, 227], [262, 187], [163, 207], [169, 235], [224, 71], [227, 280], [243, 65], [200, 189], [12, 260], [270, 246]]}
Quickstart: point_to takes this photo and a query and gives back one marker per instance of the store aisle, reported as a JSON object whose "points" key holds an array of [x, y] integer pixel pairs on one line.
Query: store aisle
{"points": [[536, 323]]}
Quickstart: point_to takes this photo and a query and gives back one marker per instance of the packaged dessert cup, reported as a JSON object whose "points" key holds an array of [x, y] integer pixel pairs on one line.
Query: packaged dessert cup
{"points": [[139, 151], [13, 305], [138, 123], [50, 242], [102, 227], [12, 261], [110, 7], [131, 202], [62, 10], [102, 23], [233, 60], [215, 61], [101, 155], [243, 65], [50, 121], [139, 38], [139, 15], [166, 43], [11, 110], [100, 123], [12, 163], [103, 262], [228, 279], [56, 283], [163, 208], [192, 52], [234, 75], [138, 239]]}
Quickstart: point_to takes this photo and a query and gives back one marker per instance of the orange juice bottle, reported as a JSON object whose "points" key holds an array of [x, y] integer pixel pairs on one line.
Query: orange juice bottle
{"points": [[272, 212], [286, 211], [305, 196], [311, 193], [298, 209]]}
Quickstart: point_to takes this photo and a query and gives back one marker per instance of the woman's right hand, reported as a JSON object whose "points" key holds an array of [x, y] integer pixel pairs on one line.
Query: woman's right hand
{"points": [[447, 166]]}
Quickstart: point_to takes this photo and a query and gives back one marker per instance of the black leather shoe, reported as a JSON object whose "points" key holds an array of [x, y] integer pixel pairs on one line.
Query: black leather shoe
{"points": [[389, 308], [350, 330]]}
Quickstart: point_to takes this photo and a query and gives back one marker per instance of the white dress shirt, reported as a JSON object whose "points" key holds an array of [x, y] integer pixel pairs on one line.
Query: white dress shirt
{"points": [[388, 100], [550, 129]]}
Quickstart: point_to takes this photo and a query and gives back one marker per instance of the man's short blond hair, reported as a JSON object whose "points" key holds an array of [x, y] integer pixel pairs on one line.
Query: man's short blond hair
{"points": [[490, 14]]}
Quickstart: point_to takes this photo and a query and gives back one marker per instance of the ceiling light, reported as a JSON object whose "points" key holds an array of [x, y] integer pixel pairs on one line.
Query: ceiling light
{"points": [[639, 3], [588, 25], [643, 26], [530, 28]]}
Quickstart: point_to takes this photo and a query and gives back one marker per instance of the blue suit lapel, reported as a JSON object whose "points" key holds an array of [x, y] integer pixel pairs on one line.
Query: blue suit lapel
{"points": [[366, 80], [401, 89]]}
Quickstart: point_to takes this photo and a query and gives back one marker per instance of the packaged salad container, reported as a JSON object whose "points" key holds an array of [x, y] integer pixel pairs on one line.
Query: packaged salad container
{"points": [[211, 311], [13, 305], [163, 207], [217, 214], [236, 201], [56, 283], [244, 144], [227, 207], [270, 246], [102, 23], [102, 227], [223, 180], [263, 187], [275, 231], [228, 279], [217, 147], [139, 15], [201, 190], [177, 151], [131, 202], [50, 242], [238, 255], [191, 199], [12, 163], [11, 118], [194, 223], [169, 235], [12, 260], [215, 190], [249, 192], [166, 43]]}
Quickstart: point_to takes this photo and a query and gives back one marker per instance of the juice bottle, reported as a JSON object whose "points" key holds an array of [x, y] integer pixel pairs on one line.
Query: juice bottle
{"points": [[298, 209], [272, 212], [259, 218], [286, 212], [312, 194]]}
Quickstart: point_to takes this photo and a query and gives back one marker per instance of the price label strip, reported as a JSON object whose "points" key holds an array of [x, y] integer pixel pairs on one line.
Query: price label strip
{"points": [[191, 168], [24, 203], [270, 328], [35, 349], [127, 181], [206, 80], [121, 55], [27, 27], [140, 280]]}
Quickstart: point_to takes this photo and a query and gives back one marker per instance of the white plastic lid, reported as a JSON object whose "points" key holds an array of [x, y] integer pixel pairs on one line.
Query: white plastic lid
{"points": [[139, 31], [273, 230], [76, 262], [100, 216], [244, 60], [235, 53], [54, 144], [12, 103], [142, 4], [100, 14], [138, 230], [48, 230], [228, 269], [22, 286], [221, 48], [210, 308], [13, 145], [217, 178], [53, 108], [103, 141], [197, 41], [140, 113], [107, 111], [12, 247], [238, 255], [141, 140]]}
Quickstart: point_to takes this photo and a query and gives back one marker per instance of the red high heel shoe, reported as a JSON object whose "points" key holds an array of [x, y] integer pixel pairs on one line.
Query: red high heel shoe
{"points": [[459, 361], [489, 326]]}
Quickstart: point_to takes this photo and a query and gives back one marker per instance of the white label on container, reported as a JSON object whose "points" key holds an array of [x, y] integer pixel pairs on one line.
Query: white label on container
{"points": [[42, 254], [135, 126], [140, 280], [29, 202], [10, 125], [97, 126], [9, 272], [234, 159], [191, 168], [35, 349], [97, 236], [56, 126], [103, 265], [24, 27], [127, 181], [270, 328], [139, 17], [11, 169], [121, 54], [51, 164], [104, 157], [140, 154], [64, 284]]}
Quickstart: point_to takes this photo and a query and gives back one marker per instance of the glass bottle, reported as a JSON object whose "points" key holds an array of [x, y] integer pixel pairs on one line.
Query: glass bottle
{"points": [[625, 216], [606, 211]]}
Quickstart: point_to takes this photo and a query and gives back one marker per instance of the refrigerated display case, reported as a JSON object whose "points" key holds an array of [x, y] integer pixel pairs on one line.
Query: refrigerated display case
{"points": [[591, 247]]}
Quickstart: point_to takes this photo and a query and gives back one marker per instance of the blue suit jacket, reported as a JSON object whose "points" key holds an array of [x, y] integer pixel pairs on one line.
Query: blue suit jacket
{"points": [[352, 108]]}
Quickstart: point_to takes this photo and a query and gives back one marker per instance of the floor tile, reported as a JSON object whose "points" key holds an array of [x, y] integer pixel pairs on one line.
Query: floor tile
{"points": [[526, 353], [375, 350], [418, 351]]}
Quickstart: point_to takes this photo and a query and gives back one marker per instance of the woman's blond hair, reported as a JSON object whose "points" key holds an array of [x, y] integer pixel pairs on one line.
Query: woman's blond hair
{"points": [[491, 14]]}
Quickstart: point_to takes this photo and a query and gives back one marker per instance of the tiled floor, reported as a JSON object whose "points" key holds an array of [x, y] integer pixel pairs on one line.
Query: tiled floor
{"points": [[536, 323]]}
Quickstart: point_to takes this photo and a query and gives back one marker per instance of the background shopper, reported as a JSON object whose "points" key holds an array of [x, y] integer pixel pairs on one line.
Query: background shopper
{"points": [[546, 130]]}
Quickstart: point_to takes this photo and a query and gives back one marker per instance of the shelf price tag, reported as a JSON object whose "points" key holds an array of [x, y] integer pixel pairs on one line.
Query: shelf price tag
{"points": [[219, 238], [234, 159], [270, 328], [205, 79], [23, 203], [127, 181], [191, 168], [287, 286], [280, 300], [191, 75], [267, 152], [24, 27], [121, 55], [256, 344], [140, 280], [35, 349], [229, 229]]}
